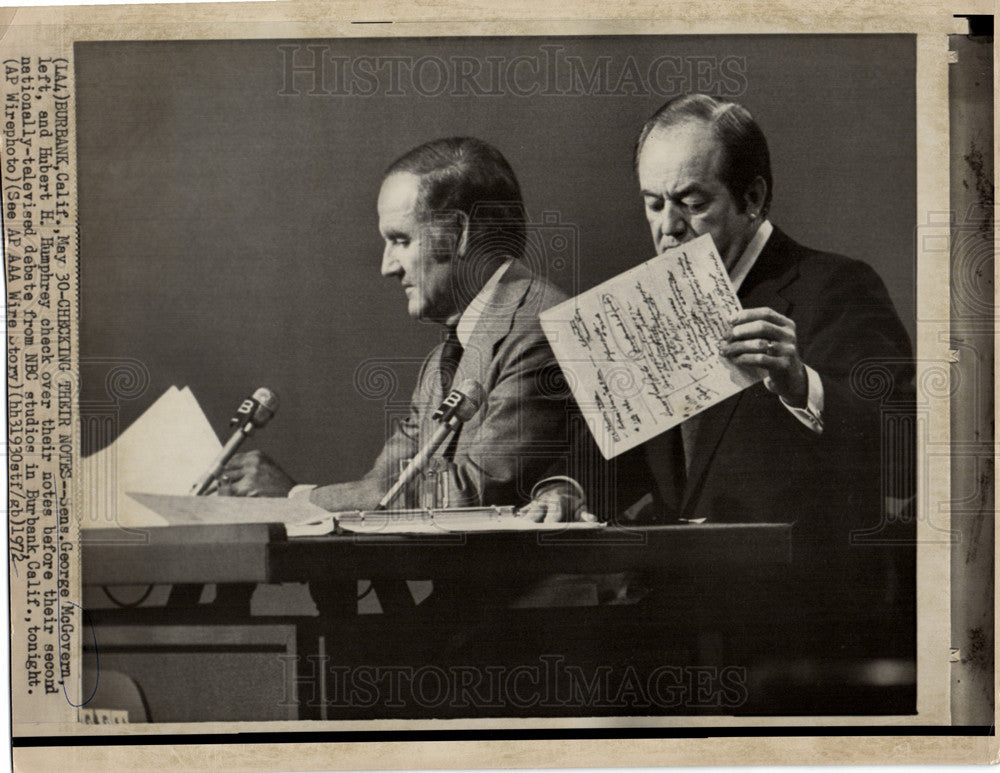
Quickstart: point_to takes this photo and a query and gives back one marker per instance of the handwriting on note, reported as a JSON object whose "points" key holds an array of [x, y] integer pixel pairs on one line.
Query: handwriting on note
{"points": [[641, 351]]}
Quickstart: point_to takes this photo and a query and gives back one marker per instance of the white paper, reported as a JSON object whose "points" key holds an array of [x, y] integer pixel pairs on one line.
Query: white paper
{"points": [[641, 351], [187, 509], [164, 452], [442, 522], [304, 519], [329, 526]]}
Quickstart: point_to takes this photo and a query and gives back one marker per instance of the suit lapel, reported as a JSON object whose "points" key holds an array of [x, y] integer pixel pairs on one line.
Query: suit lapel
{"points": [[494, 324], [763, 286], [495, 321]]}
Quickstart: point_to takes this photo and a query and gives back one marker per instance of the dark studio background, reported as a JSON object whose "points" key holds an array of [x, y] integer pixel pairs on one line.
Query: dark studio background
{"points": [[229, 234]]}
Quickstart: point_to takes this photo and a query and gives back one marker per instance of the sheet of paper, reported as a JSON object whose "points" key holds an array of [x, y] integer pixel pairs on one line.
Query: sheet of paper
{"points": [[641, 351], [185, 509], [304, 519], [441, 523], [163, 452], [444, 527], [429, 526]]}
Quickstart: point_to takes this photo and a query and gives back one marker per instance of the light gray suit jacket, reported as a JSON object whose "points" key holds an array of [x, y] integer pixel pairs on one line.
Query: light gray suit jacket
{"points": [[520, 433]]}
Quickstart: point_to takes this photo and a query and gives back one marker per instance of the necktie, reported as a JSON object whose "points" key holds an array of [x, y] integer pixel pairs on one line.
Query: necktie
{"points": [[451, 353], [689, 431]]}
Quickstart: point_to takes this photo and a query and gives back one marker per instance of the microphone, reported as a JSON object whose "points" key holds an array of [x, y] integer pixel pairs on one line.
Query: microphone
{"points": [[457, 408], [253, 412]]}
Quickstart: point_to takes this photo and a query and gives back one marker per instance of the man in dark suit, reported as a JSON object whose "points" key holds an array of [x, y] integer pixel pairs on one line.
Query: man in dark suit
{"points": [[807, 443], [825, 441], [453, 222]]}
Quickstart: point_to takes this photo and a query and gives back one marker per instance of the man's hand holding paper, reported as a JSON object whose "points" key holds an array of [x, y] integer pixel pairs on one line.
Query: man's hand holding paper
{"points": [[763, 338]]}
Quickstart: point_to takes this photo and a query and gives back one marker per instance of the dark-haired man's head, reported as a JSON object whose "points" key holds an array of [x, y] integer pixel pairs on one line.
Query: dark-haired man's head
{"points": [[703, 167]]}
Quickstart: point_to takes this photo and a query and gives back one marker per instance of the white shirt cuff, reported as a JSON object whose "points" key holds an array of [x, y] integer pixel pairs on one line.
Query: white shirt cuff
{"points": [[812, 414], [577, 488], [301, 490]]}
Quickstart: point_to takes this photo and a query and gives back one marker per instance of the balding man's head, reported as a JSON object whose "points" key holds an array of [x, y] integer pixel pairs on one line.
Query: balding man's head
{"points": [[745, 154], [703, 168]]}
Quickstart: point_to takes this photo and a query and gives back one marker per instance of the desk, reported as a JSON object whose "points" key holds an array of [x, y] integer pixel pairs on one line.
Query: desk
{"points": [[720, 597], [261, 553]]}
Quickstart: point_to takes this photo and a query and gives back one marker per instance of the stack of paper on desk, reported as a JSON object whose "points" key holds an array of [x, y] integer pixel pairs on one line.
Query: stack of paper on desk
{"points": [[468, 519], [164, 451], [303, 519]]}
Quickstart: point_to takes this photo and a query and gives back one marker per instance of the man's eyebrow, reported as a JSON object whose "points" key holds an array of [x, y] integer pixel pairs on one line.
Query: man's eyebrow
{"points": [[687, 190]]}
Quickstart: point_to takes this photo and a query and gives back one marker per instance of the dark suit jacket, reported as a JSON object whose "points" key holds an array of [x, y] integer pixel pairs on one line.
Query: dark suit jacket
{"points": [[753, 461], [519, 435]]}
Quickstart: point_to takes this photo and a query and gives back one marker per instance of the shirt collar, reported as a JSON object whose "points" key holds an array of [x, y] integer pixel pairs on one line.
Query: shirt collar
{"points": [[750, 254], [467, 321]]}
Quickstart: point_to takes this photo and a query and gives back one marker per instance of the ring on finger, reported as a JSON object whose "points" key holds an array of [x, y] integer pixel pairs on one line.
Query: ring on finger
{"points": [[771, 348]]}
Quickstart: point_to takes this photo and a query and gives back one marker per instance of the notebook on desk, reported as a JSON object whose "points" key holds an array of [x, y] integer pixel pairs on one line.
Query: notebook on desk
{"points": [[303, 519]]}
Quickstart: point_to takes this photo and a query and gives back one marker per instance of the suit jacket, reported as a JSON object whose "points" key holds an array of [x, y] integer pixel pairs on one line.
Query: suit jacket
{"points": [[520, 432], [754, 461]]}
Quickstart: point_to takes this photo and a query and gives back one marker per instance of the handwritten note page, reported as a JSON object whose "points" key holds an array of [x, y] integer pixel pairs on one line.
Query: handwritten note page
{"points": [[641, 351]]}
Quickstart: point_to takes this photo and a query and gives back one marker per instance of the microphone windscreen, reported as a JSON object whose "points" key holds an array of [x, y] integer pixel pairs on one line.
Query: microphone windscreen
{"points": [[267, 398], [267, 404], [474, 395]]}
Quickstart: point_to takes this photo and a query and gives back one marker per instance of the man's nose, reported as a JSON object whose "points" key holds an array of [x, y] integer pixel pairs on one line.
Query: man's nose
{"points": [[673, 223], [390, 266]]}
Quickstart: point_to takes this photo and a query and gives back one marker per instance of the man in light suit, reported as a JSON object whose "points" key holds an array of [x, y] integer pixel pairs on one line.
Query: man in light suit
{"points": [[452, 218]]}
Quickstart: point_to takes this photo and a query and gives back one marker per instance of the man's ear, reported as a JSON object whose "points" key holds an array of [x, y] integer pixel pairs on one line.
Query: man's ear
{"points": [[452, 236], [755, 196]]}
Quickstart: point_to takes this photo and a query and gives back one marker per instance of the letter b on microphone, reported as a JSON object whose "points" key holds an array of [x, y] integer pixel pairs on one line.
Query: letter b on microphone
{"points": [[448, 406], [244, 412]]}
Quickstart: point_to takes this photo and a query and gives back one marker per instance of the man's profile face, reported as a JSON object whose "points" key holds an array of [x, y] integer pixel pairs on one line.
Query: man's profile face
{"points": [[418, 252], [684, 196]]}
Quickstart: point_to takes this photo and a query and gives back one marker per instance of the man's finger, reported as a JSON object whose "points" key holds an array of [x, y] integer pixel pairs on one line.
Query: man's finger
{"points": [[235, 466], [761, 329], [533, 511], [764, 313], [768, 363], [231, 475], [240, 488], [757, 346]]}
